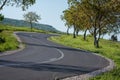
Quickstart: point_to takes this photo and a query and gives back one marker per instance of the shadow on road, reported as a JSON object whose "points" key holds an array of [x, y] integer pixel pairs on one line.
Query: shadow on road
{"points": [[47, 67]]}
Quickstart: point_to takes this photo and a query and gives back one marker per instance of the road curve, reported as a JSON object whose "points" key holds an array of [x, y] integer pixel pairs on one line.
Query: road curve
{"points": [[44, 60]]}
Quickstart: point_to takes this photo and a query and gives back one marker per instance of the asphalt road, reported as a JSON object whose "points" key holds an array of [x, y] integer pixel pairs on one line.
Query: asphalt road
{"points": [[44, 60]]}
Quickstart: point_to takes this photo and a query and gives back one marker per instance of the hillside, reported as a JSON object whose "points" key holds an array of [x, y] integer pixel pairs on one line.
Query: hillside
{"points": [[22, 23]]}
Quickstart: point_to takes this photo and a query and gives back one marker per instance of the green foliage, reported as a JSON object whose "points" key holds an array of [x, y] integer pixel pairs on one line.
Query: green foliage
{"points": [[10, 42], [2, 39], [107, 48], [31, 17]]}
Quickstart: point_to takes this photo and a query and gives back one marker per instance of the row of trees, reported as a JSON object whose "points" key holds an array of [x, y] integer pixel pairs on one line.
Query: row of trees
{"points": [[97, 16]]}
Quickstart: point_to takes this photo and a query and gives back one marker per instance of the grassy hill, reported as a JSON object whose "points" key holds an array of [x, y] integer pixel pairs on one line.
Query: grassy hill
{"points": [[22, 23]]}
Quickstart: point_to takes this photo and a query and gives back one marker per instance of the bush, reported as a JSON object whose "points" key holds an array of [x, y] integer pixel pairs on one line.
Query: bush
{"points": [[7, 41], [2, 40]]}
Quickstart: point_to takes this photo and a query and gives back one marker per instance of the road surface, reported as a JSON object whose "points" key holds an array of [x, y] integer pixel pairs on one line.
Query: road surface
{"points": [[44, 60]]}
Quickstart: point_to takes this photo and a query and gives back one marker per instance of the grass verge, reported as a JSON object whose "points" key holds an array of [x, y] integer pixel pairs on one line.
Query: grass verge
{"points": [[8, 42], [109, 49]]}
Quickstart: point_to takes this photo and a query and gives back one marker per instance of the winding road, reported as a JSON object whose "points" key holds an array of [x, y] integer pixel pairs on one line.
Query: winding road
{"points": [[44, 60]]}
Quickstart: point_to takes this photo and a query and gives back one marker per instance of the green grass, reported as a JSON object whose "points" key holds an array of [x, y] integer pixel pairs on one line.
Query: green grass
{"points": [[10, 41], [27, 29], [107, 48]]}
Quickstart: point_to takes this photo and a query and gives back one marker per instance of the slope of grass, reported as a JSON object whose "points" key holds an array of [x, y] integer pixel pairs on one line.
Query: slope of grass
{"points": [[107, 48], [10, 42]]}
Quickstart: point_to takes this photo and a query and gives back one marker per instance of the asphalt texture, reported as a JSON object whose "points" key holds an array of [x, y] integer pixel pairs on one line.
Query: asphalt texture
{"points": [[44, 60]]}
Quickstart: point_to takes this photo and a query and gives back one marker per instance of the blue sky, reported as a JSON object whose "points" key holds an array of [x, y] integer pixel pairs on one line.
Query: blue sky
{"points": [[49, 10]]}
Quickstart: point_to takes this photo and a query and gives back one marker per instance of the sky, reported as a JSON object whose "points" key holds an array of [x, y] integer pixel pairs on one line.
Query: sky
{"points": [[49, 10]]}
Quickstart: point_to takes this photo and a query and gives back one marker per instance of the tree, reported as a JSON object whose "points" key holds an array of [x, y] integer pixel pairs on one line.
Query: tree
{"points": [[75, 17], [101, 14], [72, 17], [64, 18], [31, 17], [69, 19], [23, 3]]}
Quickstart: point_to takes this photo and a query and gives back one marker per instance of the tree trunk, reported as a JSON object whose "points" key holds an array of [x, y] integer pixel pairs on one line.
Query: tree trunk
{"points": [[74, 35], [96, 40], [99, 34], [85, 34], [31, 26], [96, 44]]}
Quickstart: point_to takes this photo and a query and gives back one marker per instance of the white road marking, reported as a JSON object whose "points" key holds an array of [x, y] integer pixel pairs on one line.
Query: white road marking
{"points": [[53, 59]]}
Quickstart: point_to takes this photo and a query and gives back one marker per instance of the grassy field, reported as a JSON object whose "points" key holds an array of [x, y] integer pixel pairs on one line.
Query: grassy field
{"points": [[107, 48], [8, 41]]}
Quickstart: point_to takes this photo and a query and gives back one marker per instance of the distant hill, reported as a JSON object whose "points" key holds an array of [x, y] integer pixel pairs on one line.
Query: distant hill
{"points": [[22, 23]]}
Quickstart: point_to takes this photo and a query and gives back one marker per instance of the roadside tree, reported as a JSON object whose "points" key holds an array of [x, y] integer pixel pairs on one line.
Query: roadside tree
{"points": [[31, 17]]}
